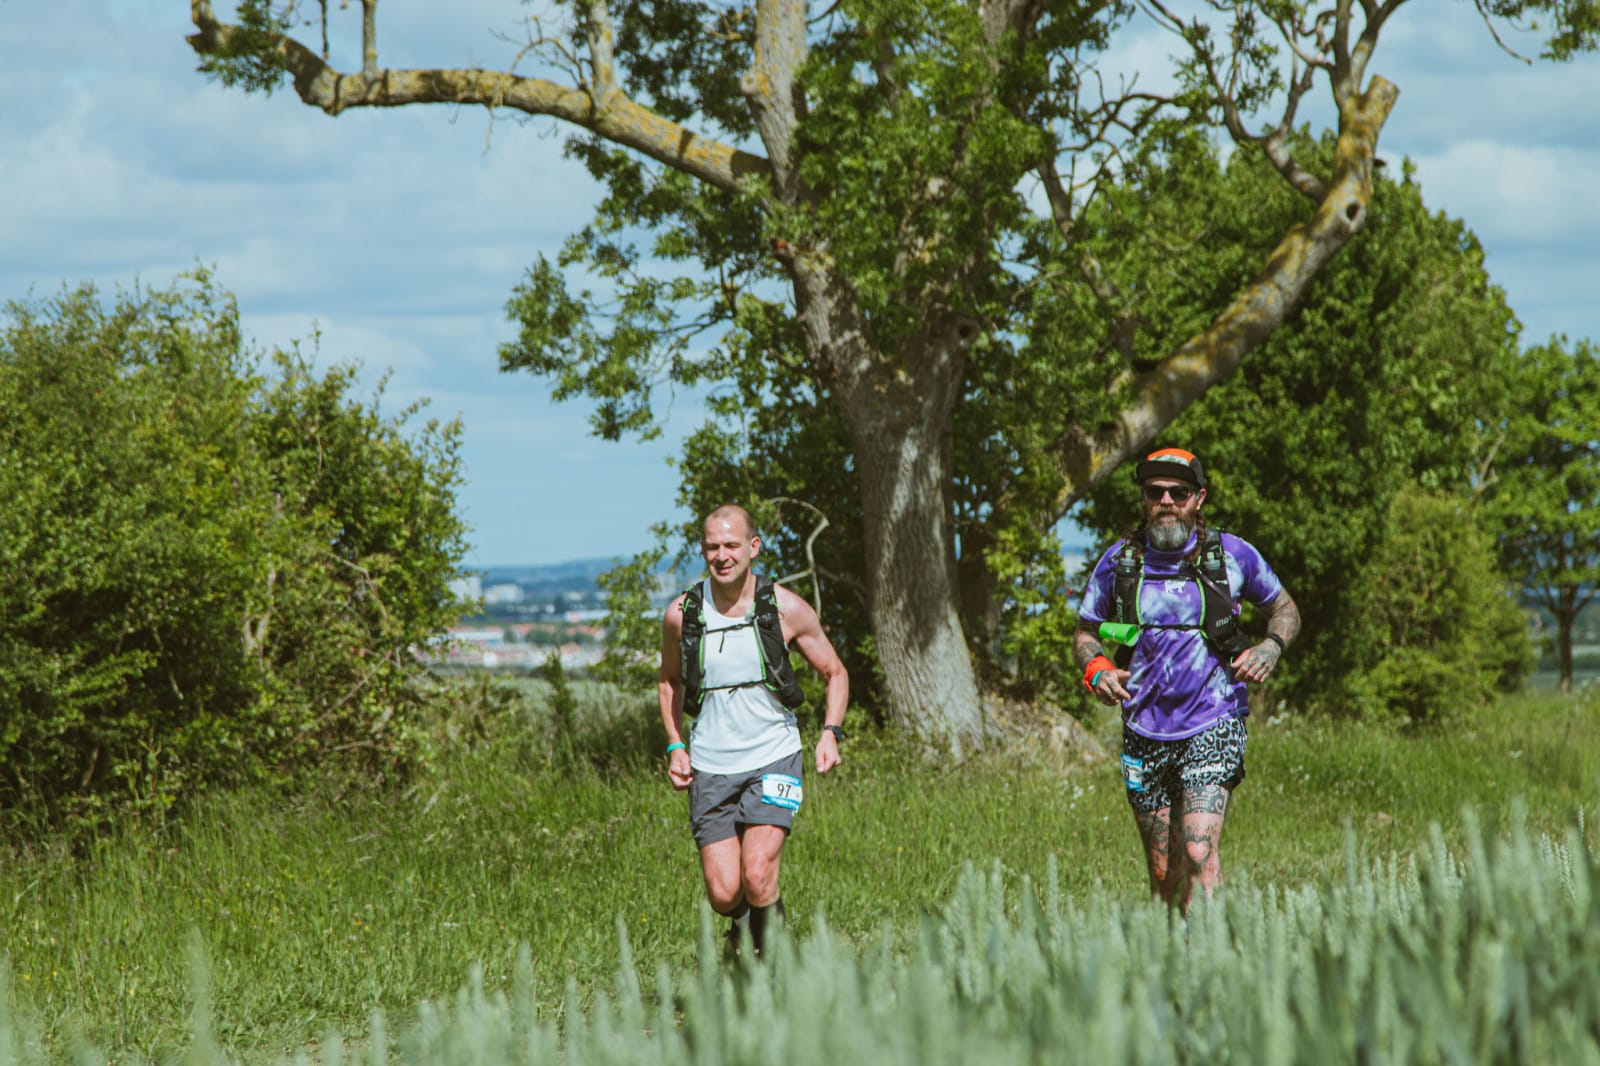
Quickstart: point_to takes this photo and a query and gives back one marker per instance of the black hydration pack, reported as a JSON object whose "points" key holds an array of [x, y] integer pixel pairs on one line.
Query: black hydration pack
{"points": [[777, 674], [1218, 626]]}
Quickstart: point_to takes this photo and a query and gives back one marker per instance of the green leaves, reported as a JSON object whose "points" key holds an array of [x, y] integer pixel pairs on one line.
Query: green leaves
{"points": [[248, 58], [1437, 614], [1573, 25]]}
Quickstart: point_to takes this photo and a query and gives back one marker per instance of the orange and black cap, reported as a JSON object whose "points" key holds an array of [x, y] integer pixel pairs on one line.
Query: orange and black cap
{"points": [[1173, 463]]}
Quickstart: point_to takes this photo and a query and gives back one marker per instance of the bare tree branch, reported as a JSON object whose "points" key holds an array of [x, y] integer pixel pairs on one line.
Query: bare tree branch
{"points": [[769, 85], [1164, 392], [369, 38], [1377, 15], [614, 116], [601, 37], [811, 570], [1494, 31]]}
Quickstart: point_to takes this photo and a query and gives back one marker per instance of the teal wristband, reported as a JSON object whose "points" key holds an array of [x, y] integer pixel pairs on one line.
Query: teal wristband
{"points": [[1095, 680], [675, 745]]}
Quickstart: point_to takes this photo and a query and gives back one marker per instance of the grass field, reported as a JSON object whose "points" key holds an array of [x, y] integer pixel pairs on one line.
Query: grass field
{"points": [[304, 916]]}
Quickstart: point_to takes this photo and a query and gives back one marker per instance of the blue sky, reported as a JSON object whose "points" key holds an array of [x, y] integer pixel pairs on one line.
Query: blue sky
{"points": [[399, 235]]}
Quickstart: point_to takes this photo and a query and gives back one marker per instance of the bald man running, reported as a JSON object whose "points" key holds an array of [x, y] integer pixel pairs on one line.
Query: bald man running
{"points": [[724, 660]]}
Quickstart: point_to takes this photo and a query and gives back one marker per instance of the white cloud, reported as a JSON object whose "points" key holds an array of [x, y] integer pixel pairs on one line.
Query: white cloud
{"points": [[1514, 193]]}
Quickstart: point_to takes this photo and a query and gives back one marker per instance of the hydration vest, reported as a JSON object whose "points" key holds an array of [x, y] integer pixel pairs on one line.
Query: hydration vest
{"points": [[777, 675], [1218, 626]]}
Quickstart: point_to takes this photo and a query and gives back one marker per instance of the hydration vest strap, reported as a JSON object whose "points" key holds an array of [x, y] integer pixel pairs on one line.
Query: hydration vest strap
{"points": [[777, 675], [1218, 626]]}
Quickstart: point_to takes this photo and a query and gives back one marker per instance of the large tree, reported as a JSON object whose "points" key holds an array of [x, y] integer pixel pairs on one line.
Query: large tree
{"points": [[872, 194], [1544, 492]]}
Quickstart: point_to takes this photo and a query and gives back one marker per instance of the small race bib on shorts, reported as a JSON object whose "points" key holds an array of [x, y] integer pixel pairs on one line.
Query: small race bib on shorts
{"points": [[1133, 773], [781, 790]]}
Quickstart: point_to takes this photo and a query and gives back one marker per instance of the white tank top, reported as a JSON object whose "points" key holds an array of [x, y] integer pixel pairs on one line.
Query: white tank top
{"points": [[744, 728]]}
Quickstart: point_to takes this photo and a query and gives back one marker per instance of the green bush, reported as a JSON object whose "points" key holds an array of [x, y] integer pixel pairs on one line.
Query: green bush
{"points": [[212, 575], [1439, 626]]}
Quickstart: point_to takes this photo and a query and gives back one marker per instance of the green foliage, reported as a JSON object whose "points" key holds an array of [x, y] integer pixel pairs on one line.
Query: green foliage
{"points": [[1470, 947], [1442, 618], [914, 141], [945, 313], [250, 60], [361, 558], [1385, 377], [1481, 957], [318, 910], [1573, 25], [563, 708], [212, 576], [914, 144], [633, 625]]}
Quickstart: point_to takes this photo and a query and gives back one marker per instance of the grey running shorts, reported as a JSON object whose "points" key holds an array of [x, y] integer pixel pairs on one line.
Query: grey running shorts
{"points": [[1157, 771], [719, 803]]}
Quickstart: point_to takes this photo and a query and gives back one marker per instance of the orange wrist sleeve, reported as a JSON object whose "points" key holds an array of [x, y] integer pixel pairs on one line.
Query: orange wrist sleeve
{"points": [[1093, 667]]}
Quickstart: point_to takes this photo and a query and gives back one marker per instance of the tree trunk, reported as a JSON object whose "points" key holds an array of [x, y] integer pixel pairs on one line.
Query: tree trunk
{"points": [[899, 416], [910, 571], [1566, 613]]}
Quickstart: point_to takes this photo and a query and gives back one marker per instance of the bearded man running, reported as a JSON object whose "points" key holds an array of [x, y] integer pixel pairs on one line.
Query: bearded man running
{"points": [[1182, 689]]}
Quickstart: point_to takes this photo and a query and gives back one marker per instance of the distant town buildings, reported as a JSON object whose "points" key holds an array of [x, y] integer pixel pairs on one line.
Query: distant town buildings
{"points": [[502, 594], [527, 615], [487, 647]]}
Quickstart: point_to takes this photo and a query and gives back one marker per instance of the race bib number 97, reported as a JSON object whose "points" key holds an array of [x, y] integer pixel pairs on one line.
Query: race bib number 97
{"points": [[781, 790]]}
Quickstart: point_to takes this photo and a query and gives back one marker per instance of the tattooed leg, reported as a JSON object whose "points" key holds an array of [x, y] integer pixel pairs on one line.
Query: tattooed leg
{"points": [[1204, 809], [1155, 831]]}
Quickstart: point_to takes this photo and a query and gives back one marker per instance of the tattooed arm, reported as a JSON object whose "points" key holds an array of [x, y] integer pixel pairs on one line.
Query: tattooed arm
{"points": [[1283, 622], [1109, 686]]}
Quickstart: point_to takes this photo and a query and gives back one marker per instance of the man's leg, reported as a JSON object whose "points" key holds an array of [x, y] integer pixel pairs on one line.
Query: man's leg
{"points": [[1155, 832], [1212, 767], [761, 854], [1205, 807], [719, 862], [1152, 793]]}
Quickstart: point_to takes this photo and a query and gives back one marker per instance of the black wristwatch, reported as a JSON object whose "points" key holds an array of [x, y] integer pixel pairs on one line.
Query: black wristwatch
{"points": [[836, 730]]}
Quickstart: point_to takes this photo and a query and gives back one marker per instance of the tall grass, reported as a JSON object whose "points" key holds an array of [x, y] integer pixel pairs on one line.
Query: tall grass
{"points": [[315, 914]]}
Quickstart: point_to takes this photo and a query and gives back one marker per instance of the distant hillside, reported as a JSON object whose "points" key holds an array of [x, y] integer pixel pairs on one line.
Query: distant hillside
{"points": [[580, 577], [528, 591], [574, 575]]}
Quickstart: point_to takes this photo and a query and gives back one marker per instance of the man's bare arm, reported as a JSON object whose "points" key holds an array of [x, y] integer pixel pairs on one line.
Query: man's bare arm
{"points": [[1283, 622], [805, 633], [1283, 618], [1085, 646], [669, 678], [669, 695]]}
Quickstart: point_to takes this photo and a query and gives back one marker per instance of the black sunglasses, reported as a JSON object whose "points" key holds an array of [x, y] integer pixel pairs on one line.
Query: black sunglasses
{"points": [[1179, 494]]}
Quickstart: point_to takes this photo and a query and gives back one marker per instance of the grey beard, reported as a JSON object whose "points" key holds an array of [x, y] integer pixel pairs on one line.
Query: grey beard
{"points": [[1169, 538]]}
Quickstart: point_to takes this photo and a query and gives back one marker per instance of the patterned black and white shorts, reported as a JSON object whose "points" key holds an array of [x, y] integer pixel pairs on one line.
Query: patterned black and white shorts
{"points": [[1156, 772]]}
